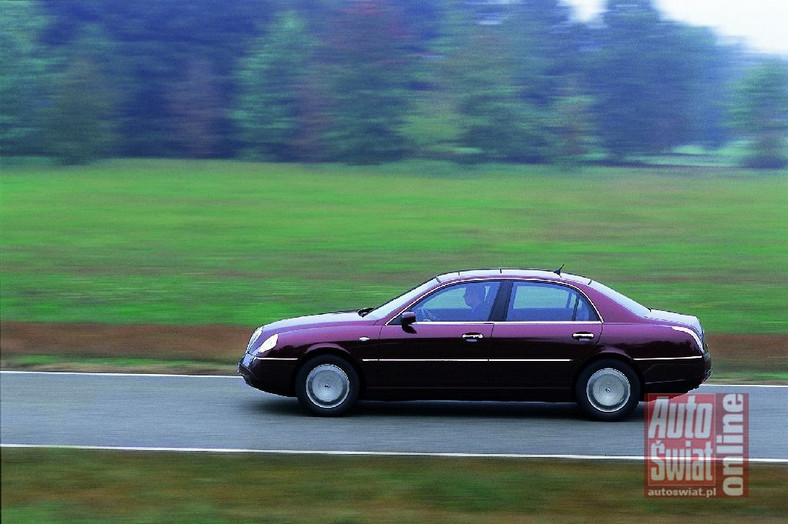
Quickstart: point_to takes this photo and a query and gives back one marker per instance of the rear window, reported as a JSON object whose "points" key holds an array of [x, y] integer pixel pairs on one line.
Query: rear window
{"points": [[625, 301]]}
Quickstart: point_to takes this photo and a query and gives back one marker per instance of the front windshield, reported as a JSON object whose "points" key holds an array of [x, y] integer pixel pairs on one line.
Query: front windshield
{"points": [[401, 301]]}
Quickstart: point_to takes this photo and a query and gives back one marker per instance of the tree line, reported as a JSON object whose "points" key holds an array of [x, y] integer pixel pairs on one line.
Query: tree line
{"points": [[367, 81]]}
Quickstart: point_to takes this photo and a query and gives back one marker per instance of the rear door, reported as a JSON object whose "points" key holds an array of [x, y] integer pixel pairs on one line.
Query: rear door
{"points": [[543, 334]]}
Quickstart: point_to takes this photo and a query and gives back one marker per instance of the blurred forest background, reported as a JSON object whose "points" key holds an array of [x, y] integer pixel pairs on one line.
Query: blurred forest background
{"points": [[371, 81]]}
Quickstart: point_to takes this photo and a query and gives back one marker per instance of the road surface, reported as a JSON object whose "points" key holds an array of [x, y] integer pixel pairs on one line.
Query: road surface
{"points": [[223, 413]]}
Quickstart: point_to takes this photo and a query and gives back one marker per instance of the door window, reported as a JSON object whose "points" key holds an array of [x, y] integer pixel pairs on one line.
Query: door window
{"points": [[547, 302], [467, 302]]}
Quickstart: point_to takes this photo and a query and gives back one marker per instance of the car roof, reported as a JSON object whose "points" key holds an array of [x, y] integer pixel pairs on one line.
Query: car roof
{"points": [[542, 274]]}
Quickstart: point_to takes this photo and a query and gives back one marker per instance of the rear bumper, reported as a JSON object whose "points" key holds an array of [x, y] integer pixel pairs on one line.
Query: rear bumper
{"points": [[707, 365], [677, 377]]}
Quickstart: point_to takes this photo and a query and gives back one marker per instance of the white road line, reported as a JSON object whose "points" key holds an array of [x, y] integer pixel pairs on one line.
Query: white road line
{"points": [[108, 374], [361, 453], [744, 386]]}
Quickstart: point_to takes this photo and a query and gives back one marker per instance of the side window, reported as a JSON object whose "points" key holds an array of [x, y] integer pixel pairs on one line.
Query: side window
{"points": [[467, 302], [546, 302]]}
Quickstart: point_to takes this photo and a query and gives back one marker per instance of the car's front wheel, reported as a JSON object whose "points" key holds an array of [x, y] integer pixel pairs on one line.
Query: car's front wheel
{"points": [[608, 390], [327, 385]]}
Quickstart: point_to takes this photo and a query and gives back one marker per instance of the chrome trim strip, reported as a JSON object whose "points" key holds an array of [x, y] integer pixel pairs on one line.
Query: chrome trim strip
{"points": [[452, 322], [424, 360], [502, 322], [275, 358], [670, 358], [466, 360], [530, 360], [517, 322]]}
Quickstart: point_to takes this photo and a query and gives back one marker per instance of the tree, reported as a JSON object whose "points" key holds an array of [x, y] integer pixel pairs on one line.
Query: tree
{"points": [[496, 121], [572, 125], [81, 118], [368, 66], [154, 43], [547, 65], [26, 80], [651, 79], [197, 109], [433, 126], [510, 72], [760, 113], [275, 104]]}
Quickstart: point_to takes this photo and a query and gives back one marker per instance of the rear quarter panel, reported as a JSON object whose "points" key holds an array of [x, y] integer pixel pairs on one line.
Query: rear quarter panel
{"points": [[668, 360]]}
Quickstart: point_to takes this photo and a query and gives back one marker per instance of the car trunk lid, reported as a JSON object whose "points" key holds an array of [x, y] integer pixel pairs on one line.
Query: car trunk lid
{"points": [[677, 318]]}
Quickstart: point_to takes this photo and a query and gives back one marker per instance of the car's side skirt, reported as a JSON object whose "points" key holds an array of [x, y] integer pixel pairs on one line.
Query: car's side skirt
{"points": [[514, 394]]}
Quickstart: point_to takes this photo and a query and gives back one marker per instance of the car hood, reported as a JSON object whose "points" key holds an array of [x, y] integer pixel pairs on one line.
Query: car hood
{"points": [[314, 321], [676, 318]]}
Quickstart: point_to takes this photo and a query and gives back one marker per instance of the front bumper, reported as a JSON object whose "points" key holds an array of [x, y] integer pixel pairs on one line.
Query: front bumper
{"points": [[245, 372], [269, 375]]}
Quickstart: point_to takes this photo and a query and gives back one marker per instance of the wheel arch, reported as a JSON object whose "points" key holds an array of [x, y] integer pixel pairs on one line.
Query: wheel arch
{"points": [[608, 353], [333, 350]]}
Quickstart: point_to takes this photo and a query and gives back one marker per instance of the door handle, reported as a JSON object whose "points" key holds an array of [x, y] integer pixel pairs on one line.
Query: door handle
{"points": [[472, 337], [583, 335]]}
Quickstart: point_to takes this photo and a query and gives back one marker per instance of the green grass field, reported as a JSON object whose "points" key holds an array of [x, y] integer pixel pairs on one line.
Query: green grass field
{"points": [[89, 486], [199, 242], [192, 243]]}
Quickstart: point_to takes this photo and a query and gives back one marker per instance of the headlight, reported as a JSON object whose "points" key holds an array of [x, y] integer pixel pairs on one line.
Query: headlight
{"points": [[254, 338], [270, 343]]}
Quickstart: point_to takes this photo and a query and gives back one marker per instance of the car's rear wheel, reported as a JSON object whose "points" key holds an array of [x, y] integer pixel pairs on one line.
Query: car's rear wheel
{"points": [[327, 385], [608, 390]]}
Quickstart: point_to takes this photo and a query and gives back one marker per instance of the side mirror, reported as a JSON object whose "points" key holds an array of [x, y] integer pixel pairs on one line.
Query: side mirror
{"points": [[407, 318]]}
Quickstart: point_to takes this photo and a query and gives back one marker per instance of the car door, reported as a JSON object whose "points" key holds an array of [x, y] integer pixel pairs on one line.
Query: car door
{"points": [[445, 348], [545, 331]]}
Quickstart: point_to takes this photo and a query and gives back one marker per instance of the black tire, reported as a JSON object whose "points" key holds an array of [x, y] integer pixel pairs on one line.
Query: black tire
{"points": [[608, 390], [327, 386]]}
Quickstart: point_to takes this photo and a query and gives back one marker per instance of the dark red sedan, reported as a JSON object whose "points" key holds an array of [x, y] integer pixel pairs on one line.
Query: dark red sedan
{"points": [[498, 334]]}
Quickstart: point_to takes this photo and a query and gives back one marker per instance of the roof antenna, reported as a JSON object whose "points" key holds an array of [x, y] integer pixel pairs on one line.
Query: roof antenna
{"points": [[558, 271]]}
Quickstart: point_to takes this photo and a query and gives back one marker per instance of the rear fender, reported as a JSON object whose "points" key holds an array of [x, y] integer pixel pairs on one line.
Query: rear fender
{"points": [[607, 352]]}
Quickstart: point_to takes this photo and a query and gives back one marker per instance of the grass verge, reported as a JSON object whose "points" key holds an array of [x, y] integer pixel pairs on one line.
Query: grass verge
{"points": [[191, 243], [93, 486]]}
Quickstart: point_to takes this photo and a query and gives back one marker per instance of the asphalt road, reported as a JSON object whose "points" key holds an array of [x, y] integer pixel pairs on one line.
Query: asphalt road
{"points": [[223, 413]]}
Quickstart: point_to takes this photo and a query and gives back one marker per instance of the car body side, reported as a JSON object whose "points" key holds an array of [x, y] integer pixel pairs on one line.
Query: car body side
{"points": [[510, 360]]}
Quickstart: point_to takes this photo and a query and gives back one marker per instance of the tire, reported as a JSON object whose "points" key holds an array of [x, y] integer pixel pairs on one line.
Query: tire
{"points": [[608, 390], [327, 386]]}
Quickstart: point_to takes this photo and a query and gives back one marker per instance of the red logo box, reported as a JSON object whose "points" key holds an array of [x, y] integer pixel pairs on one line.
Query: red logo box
{"points": [[697, 445]]}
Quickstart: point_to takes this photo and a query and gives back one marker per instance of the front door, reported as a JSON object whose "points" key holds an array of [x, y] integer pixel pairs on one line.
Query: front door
{"points": [[445, 348], [429, 355]]}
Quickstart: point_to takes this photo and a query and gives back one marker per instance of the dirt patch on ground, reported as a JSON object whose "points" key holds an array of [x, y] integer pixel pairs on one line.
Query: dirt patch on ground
{"points": [[218, 343], [214, 343]]}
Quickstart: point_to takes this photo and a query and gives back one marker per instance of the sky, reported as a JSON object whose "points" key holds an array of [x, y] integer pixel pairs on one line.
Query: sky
{"points": [[762, 24]]}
